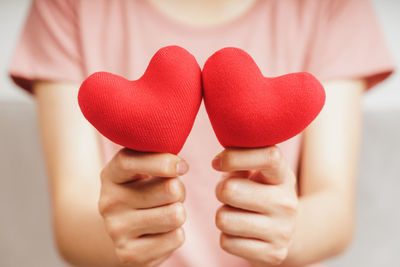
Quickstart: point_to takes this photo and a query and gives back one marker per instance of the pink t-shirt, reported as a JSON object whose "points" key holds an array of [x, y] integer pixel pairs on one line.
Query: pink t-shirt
{"points": [[69, 40]]}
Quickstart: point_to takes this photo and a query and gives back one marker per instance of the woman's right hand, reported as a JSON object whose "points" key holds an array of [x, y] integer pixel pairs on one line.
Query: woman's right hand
{"points": [[141, 203]]}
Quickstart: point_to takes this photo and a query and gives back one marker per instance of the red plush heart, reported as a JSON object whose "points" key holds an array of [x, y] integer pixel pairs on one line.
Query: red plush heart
{"points": [[247, 109], [154, 113]]}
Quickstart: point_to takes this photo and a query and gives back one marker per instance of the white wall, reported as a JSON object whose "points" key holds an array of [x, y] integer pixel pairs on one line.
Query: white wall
{"points": [[385, 96], [12, 14]]}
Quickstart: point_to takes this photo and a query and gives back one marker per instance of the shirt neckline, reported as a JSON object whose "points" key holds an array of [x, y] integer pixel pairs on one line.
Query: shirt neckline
{"points": [[193, 29]]}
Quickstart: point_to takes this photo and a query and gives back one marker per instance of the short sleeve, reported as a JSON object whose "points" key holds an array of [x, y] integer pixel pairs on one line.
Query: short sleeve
{"points": [[48, 46], [348, 43]]}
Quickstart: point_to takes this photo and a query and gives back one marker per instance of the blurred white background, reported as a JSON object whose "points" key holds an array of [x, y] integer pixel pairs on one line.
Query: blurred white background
{"points": [[25, 232]]}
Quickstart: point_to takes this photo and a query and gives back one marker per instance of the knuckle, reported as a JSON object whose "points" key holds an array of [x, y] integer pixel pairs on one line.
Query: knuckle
{"points": [[122, 161], [274, 157], [103, 174], [120, 245], [221, 220], [292, 180], [285, 234], [167, 167], [130, 256], [123, 256], [229, 159], [179, 237], [106, 204], [177, 214], [227, 191], [175, 190], [115, 229], [288, 205], [224, 242], [277, 256]]}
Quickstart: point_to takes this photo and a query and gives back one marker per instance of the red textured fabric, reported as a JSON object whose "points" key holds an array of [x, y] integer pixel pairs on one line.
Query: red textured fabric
{"points": [[247, 109], [154, 113]]}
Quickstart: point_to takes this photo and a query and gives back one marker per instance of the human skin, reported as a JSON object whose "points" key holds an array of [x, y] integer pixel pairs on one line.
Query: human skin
{"points": [[306, 217], [290, 227], [258, 191], [142, 208]]}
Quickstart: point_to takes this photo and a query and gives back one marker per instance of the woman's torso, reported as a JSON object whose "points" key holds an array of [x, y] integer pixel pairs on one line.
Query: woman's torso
{"points": [[122, 36]]}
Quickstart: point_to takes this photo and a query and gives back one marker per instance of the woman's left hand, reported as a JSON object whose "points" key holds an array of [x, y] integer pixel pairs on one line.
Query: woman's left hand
{"points": [[258, 191]]}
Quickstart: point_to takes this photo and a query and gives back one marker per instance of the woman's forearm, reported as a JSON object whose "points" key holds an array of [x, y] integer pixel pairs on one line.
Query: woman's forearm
{"points": [[328, 173], [324, 228], [79, 229], [73, 166]]}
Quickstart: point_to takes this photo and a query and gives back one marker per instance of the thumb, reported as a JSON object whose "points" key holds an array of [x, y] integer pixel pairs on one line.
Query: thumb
{"points": [[264, 177], [268, 163], [273, 169]]}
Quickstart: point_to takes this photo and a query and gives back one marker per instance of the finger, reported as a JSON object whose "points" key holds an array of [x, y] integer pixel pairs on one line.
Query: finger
{"points": [[269, 160], [242, 223], [249, 195], [127, 163], [150, 248], [140, 194], [253, 249], [247, 224], [237, 174], [136, 223], [157, 220], [276, 169], [158, 261]]}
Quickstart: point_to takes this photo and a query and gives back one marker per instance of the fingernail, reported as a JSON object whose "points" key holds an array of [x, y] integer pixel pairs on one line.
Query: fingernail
{"points": [[216, 163], [182, 167]]}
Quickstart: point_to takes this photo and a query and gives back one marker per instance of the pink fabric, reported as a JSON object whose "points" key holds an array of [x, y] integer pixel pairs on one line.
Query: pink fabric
{"points": [[68, 40]]}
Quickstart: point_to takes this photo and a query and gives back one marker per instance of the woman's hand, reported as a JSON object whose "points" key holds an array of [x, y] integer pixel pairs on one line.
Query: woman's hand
{"points": [[260, 201], [141, 203]]}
